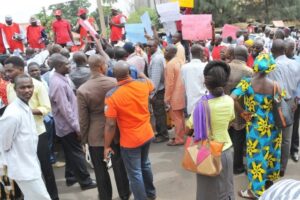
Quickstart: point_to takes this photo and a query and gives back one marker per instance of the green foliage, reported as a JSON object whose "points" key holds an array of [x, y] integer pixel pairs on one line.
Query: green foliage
{"points": [[107, 13], [135, 16]]}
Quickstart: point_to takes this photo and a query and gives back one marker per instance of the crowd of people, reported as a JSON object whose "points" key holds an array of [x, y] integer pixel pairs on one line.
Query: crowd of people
{"points": [[118, 97]]}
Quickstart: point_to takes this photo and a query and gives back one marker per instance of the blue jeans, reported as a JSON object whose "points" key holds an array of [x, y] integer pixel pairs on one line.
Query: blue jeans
{"points": [[50, 130], [139, 171]]}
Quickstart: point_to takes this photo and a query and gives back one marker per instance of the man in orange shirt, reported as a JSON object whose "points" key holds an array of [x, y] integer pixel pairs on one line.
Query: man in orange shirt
{"points": [[13, 36], [127, 104], [174, 93], [36, 34]]}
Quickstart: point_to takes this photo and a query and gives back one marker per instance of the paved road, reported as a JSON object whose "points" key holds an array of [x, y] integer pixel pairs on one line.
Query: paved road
{"points": [[171, 181]]}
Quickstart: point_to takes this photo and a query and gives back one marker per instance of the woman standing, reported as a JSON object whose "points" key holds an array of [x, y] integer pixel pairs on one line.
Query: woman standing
{"points": [[263, 138], [221, 106]]}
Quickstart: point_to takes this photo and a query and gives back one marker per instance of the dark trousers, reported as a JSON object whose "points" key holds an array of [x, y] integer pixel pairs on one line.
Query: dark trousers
{"points": [[295, 134], [160, 115], [46, 167], [238, 138], [76, 168], [102, 175], [50, 129]]}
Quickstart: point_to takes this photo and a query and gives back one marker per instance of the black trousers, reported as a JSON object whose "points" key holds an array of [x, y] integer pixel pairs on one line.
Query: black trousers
{"points": [[76, 168], [238, 138], [46, 167], [295, 134], [160, 115], [102, 175]]}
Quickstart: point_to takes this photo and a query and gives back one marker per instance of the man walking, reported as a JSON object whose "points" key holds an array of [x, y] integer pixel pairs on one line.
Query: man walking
{"points": [[90, 98], [19, 142], [64, 106], [127, 104]]}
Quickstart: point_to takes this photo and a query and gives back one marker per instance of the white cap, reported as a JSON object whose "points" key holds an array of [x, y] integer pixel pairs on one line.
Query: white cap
{"points": [[114, 8], [8, 18]]}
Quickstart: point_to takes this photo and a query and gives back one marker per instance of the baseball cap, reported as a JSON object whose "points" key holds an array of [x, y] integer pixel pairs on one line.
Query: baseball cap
{"points": [[33, 19], [114, 8], [81, 11], [57, 13], [8, 18]]}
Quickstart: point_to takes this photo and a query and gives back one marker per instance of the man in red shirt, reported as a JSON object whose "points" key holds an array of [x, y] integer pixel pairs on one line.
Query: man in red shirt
{"points": [[13, 35], [117, 24], [62, 30], [82, 14], [36, 34]]}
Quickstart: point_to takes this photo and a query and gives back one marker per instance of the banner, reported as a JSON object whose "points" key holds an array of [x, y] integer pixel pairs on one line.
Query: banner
{"points": [[196, 27], [168, 11], [135, 33], [229, 30], [146, 21], [88, 27]]}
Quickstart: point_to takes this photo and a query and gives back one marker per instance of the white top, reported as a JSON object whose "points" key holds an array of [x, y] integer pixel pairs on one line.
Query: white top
{"points": [[19, 140], [193, 79]]}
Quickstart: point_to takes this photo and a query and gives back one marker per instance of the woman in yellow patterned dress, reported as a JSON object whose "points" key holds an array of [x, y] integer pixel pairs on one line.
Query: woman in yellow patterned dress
{"points": [[263, 138]]}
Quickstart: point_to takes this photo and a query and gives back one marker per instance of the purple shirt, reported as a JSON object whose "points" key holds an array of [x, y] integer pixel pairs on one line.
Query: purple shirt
{"points": [[64, 105]]}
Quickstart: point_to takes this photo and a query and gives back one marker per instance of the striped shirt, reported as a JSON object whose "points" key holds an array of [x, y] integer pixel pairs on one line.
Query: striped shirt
{"points": [[287, 189], [156, 71]]}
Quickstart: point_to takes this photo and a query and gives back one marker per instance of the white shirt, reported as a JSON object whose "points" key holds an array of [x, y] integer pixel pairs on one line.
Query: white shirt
{"points": [[193, 78], [19, 140]]}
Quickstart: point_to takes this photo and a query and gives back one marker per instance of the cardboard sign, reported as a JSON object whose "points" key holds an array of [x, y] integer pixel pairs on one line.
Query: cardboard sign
{"points": [[168, 11], [88, 27], [279, 23], [185, 3], [196, 27], [135, 33], [229, 30], [146, 21]]}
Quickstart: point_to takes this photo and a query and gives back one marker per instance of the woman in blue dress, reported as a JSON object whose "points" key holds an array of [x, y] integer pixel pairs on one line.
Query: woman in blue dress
{"points": [[263, 138]]}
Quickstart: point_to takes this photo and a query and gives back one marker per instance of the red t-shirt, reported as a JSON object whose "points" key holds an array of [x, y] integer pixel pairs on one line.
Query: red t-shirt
{"points": [[34, 34], [2, 47], [83, 32], [116, 32], [216, 52], [10, 31], [250, 61], [62, 28]]}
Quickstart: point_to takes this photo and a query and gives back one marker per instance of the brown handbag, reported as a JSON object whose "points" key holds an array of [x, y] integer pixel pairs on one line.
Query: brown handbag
{"points": [[203, 157]]}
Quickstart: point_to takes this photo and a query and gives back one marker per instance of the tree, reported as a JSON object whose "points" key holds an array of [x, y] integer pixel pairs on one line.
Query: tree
{"points": [[135, 16]]}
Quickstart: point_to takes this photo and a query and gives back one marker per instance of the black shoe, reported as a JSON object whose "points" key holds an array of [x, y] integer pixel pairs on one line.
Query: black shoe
{"points": [[238, 171], [70, 182], [151, 198], [295, 157], [91, 185], [125, 197], [281, 173], [160, 139]]}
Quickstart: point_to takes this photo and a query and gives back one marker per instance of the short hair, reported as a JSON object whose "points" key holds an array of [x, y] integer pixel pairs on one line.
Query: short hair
{"points": [[120, 53], [110, 52], [79, 58], [56, 60], [129, 47], [32, 64], [18, 78], [15, 61]]}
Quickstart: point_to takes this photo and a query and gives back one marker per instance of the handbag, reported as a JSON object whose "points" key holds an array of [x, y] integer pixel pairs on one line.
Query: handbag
{"points": [[282, 111], [203, 157]]}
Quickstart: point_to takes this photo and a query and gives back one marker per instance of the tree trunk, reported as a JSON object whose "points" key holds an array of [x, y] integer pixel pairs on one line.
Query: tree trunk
{"points": [[101, 17], [267, 11]]}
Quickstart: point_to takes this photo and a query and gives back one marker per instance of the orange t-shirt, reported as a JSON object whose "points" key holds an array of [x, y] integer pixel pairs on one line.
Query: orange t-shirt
{"points": [[128, 103]]}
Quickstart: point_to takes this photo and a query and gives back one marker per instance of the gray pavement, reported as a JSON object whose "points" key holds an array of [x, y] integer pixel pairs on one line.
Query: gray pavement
{"points": [[171, 181]]}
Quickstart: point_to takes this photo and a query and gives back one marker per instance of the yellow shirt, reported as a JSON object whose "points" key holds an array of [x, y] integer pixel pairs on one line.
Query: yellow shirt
{"points": [[180, 52], [39, 100], [221, 113]]}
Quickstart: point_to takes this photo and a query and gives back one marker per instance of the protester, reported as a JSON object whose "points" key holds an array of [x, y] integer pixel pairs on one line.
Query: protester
{"points": [[174, 94], [36, 34], [263, 138], [284, 74], [19, 142], [290, 53], [237, 130], [2, 46], [3, 86], [61, 30], [221, 112], [13, 35], [133, 58], [177, 39], [81, 73], [117, 23], [65, 114], [127, 104], [193, 78], [258, 47], [40, 106], [156, 75], [91, 97]]}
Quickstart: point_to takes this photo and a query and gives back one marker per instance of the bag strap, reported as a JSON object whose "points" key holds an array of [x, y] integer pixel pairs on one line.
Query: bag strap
{"points": [[208, 118]]}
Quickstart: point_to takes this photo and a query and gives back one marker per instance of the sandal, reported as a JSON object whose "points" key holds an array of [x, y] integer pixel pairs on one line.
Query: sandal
{"points": [[173, 143], [247, 194]]}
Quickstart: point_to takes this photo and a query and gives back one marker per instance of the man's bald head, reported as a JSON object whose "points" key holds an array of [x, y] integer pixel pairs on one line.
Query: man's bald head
{"points": [[97, 63], [197, 51], [79, 58], [170, 52], [241, 53], [278, 48], [121, 70], [279, 34]]}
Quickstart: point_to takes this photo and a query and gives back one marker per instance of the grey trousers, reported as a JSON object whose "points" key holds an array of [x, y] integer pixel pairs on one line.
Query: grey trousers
{"points": [[286, 146], [218, 187]]}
